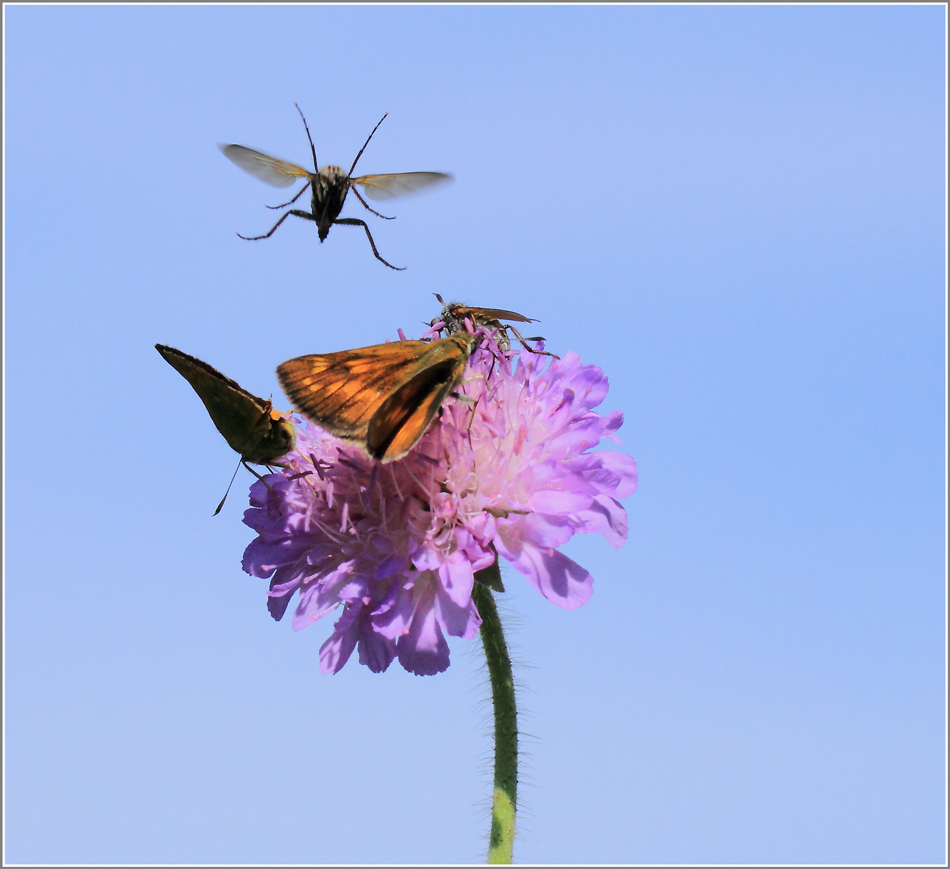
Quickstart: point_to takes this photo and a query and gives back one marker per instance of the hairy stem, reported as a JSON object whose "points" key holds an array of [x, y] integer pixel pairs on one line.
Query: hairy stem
{"points": [[504, 799]]}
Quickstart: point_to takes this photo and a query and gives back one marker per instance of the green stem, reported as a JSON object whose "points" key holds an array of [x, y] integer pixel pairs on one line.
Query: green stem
{"points": [[504, 799]]}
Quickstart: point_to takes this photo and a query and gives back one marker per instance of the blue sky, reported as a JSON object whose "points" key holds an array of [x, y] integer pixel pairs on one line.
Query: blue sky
{"points": [[737, 212]]}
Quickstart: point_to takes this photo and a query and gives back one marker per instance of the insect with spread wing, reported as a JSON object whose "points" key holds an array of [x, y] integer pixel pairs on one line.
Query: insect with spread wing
{"points": [[329, 186], [382, 397]]}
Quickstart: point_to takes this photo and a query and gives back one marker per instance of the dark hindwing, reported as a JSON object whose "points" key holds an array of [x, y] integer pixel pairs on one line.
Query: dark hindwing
{"points": [[405, 416]]}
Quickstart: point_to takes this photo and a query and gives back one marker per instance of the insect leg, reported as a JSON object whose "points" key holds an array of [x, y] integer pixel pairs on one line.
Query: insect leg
{"points": [[529, 348], [352, 221], [269, 489], [292, 201], [294, 212], [355, 191], [471, 419]]}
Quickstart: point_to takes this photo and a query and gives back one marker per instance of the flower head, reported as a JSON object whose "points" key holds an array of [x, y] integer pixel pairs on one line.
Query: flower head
{"points": [[507, 467]]}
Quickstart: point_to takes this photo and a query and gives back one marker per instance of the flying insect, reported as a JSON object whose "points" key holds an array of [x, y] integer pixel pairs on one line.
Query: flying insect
{"points": [[329, 186]]}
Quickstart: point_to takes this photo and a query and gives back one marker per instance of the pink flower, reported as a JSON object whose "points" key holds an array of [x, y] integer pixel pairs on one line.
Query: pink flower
{"points": [[505, 468]]}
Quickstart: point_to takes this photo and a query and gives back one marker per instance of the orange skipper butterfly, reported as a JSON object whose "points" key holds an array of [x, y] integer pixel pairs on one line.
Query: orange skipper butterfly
{"points": [[383, 397]]}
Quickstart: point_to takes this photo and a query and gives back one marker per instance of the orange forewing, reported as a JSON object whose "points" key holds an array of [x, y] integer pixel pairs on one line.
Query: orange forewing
{"points": [[250, 425], [383, 397]]}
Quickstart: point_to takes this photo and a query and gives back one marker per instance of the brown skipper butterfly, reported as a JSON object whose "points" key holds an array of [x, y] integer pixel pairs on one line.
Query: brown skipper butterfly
{"points": [[250, 425], [382, 397], [328, 186]]}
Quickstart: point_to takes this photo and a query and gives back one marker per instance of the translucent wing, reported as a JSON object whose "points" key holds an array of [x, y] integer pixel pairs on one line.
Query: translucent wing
{"points": [[270, 170], [390, 186], [483, 315]]}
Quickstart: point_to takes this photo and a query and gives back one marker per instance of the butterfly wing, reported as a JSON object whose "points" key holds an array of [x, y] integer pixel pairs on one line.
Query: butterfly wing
{"points": [[270, 170], [249, 424], [384, 397], [341, 391], [389, 186], [405, 416]]}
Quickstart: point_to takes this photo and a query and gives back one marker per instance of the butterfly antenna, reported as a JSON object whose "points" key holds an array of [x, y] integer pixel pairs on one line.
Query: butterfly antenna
{"points": [[225, 498], [312, 149], [357, 160]]}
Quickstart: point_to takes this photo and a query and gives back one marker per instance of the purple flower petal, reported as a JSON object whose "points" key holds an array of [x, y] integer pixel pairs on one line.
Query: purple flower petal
{"points": [[457, 578], [423, 650], [557, 577], [393, 548], [607, 517], [336, 651]]}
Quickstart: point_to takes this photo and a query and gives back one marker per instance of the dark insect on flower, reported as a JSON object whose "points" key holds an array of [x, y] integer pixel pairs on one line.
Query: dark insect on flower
{"points": [[250, 425], [454, 315], [383, 397], [329, 186]]}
